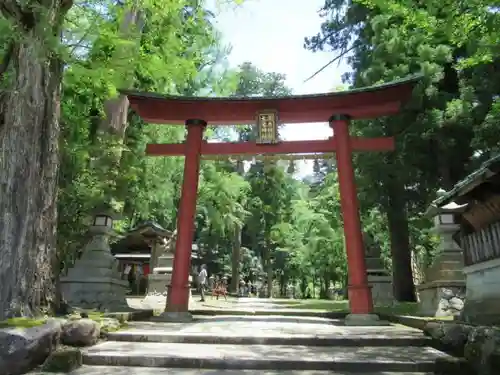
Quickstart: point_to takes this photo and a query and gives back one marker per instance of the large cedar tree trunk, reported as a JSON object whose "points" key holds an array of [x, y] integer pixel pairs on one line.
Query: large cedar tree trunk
{"points": [[235, 260], [404, 288], [269, 269], [29, 161], [236, 244]]}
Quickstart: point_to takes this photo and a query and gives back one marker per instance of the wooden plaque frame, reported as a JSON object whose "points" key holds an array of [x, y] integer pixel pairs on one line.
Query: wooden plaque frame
{"points": [[267, 129]]}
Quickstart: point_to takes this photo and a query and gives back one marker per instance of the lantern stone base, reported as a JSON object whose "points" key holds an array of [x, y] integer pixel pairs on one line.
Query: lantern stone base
{"points": [[443, 293], [94, 282], [156, 300], [441, 298], [380, 281], [381, 287], [364, 320], [101, 293], [157, 283], [161, 275], [174, 317]]}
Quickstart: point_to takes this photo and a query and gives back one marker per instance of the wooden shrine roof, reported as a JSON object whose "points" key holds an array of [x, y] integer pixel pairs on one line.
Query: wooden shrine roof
{"points": [[361, 103], [136, 239], [486, 174], [477, 196]]}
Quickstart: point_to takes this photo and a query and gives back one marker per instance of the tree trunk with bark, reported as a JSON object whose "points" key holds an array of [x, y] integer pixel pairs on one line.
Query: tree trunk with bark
{"points": [[404, 288], [268, 267], [29, 160], [235, 260], [236, 244]]}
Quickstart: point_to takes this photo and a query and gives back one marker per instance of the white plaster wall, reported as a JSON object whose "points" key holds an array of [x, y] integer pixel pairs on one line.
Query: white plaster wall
{"points": [[483, 280]]}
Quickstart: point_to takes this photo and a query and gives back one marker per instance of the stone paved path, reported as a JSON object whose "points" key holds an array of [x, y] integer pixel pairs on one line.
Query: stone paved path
{"points": [[258, 356], [272, 330], [158, 303], [112, 370], [264, 345]]}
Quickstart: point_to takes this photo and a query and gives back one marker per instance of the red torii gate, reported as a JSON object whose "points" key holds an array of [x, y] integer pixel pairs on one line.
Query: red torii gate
{"points": [[336, 108]]}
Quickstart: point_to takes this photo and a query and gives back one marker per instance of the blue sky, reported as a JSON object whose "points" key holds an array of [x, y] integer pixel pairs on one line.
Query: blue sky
{"points": [[270, 34]]}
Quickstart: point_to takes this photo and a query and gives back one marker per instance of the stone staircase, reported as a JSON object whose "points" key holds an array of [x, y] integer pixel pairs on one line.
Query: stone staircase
{"points": [[262, 345]]}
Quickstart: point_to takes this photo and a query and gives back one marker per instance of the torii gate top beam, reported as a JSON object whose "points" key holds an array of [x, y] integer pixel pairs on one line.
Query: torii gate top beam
{"points": [[364, 103]]}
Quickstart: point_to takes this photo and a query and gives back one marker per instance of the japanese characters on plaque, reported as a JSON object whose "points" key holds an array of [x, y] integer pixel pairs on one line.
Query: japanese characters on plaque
{"points": [[267, 127]]}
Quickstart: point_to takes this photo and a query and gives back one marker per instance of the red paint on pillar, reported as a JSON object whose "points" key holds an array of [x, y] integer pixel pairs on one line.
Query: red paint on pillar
{"points": [[360, 297], [178, 290]]}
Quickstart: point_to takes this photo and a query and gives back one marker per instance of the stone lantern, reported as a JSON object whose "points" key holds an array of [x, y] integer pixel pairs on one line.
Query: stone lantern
{"points": [[379, 279], [162, 268], [103, 220], [443, 290], [94, 281]]}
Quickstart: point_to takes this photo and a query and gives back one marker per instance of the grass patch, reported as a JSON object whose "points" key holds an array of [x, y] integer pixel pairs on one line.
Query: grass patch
{"points": [[96, 316], [22, 322], [106, 322], [316, 304], [400, 308]]}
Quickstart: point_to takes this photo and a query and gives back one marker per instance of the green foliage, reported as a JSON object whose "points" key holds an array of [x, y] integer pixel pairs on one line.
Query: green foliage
{"points": [[287, 230], [445, 129], [22, 323]]}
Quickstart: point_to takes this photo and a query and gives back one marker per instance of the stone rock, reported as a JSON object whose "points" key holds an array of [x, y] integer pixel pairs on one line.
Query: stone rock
{"points": [[82, 332], [455, 337], [452, 365], [449, 336], [23, 349], [447, 293], [456, 303], [434, 330], [63, 360], [436, 300], [483, 350], [480, 346]]}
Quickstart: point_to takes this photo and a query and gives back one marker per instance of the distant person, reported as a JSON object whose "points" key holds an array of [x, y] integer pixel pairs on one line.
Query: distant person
{"points": [[242, 288], [220, 288], [202, 281]]}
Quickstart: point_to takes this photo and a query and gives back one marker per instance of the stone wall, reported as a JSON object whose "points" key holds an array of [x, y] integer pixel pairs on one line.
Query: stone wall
{"points": [[478, 345], [483, 293]]}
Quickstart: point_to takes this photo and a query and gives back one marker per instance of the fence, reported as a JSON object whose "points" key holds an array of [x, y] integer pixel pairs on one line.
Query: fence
{"points": [[482, 246]]}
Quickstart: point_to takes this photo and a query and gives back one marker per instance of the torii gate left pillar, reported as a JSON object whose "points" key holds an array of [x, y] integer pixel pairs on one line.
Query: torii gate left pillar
{"points": [[177, 306]]}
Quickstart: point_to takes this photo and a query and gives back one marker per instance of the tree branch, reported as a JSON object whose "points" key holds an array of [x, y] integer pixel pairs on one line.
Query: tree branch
{"points": [[336, 58]]}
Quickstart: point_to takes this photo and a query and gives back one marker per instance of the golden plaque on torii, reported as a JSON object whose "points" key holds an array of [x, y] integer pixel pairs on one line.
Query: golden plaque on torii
{"points": [[267, 127]]}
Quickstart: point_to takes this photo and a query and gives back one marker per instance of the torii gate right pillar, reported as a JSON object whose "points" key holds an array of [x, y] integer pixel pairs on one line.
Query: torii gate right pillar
{"points": [[360, 297]]}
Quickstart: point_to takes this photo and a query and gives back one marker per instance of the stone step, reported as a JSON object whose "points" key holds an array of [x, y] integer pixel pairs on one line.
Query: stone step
{"points": [[210, 311], [262, 357], [263, 338], [279, 318], [113, 370]]}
